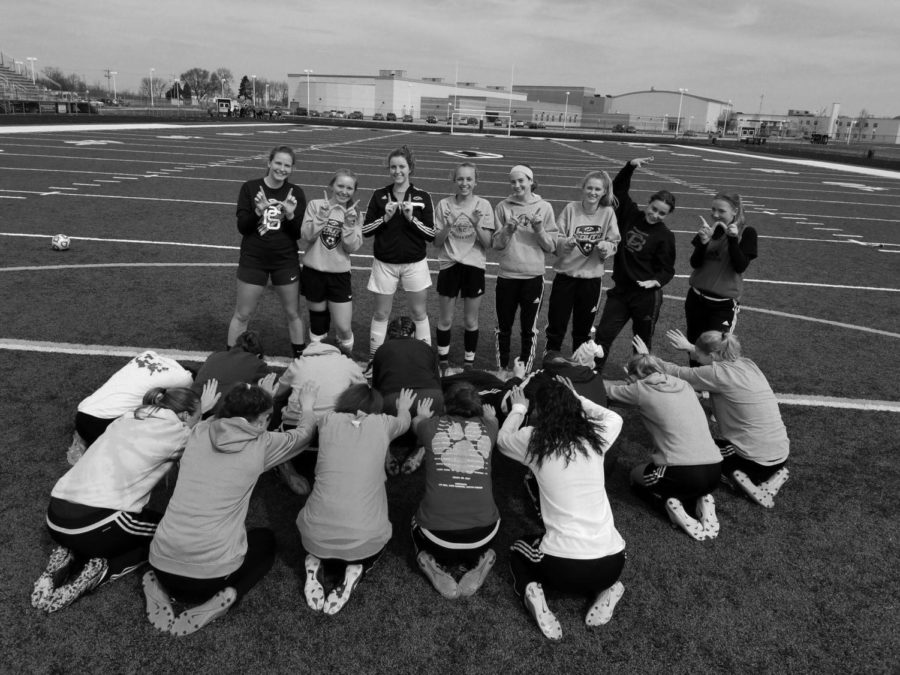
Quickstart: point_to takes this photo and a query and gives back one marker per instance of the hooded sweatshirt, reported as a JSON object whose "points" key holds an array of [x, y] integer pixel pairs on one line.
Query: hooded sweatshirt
{"points": [[522, 249], [674, 418], [585, 241], [202, 533], [329, 238], [325, 364]]}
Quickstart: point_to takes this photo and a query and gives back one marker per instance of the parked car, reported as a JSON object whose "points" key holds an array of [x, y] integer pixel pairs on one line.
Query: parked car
{"points": [[378, 117], [407, 118], [336, 114], [630, 130], [391, 117], [301, 111], [500, 122], [618, 129], [819, 139], [315, 113], [355, 115], [537, 125], [431, 119], [519, 124], [472, 121]]}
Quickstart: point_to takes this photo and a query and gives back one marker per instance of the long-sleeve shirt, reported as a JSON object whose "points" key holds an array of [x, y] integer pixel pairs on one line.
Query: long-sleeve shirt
{"points": [[522, 247], [574, 505], [745, 407], [585, 240], [269, 240], [646, 252], [329, 237], [398, 240], [719, 263]]}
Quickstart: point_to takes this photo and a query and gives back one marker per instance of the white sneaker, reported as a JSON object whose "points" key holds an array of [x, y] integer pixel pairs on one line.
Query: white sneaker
{"points": [[773, 485], [159, 605], [536, 604], [601, 611], [706, 505], [752, 490], [313, 589], [192, 620], [341, 595], [441, 580], [472, 580], [680, 517]]}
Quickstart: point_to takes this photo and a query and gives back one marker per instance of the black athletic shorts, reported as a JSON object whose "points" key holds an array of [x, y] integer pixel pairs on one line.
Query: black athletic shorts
{"points": [[283, 276], [460, 279], [320, 286]]}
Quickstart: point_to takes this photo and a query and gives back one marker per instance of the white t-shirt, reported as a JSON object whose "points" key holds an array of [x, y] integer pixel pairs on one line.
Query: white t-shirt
{"points": [[124, 391]]}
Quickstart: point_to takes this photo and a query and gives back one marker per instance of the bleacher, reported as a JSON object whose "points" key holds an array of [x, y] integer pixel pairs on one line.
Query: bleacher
{"points": [[18, 86]]}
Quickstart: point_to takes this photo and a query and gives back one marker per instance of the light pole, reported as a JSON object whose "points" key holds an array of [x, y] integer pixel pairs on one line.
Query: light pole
{"points": [[254, 90], [114, 73], [32, 60], [308, 73], [850, 131], [691, 123], [151, 86], [224, 80], [680, 99], [17, 64], [566, 113]]}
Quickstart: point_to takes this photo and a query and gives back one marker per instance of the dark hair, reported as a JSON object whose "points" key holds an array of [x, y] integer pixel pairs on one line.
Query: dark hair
{"points": [[560, 427], [358, 397], [402, 326], [464, 165], [245, 400], [555, 358], [176, 399], [462, 399], [286, 149], [405, 153], [249, 341], [665, 197]]}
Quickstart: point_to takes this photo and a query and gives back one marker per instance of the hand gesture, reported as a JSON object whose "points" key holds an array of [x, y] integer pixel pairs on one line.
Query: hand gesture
{"points": [[488, 412], [209, 396], [477, 215], [390, 209], [352, 215], [517, 396], [639, 345], [267, 384], [423, 409], [407, 210], [405, 400], [325, 206], [566, 382], [537, 221], [290, 205], [731, 229], [638, 162], [677, 339], [519, 368], [260, 201], [650, 283], [309, 391], [705, 232]]}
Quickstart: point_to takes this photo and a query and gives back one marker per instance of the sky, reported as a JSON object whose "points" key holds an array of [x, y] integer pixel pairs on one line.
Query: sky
{"points": [[800, 54]]}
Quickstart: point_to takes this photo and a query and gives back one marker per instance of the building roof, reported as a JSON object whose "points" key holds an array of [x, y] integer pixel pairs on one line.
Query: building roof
{"points": [[676, 92]]}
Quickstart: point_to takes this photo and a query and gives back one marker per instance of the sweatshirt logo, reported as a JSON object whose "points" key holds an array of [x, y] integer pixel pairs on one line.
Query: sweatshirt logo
{"points": [[463, 448], [635, 240], [587, 237], [330, 236]]}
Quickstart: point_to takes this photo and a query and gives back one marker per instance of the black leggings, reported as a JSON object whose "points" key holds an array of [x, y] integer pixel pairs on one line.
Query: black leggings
{"points": [[90, 428], [576, 298], [584, 577], [524, 295], [257, 562]]}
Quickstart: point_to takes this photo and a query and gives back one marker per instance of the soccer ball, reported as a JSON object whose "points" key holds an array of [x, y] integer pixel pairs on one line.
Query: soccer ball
{"points": [[60, 242]]}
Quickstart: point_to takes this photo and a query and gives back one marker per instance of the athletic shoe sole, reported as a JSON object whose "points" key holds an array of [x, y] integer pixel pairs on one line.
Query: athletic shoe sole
{"points": [[472, 580], [442, 581], [536, 604], [313, 589], [341, 595], [192, 620], [707, 508], [601, 612], [159, 606], [753, 491], [677, 514], [87, 580]]}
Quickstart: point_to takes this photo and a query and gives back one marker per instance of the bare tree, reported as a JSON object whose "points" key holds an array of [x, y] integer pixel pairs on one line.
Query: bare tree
{"points": [[198, 80]]}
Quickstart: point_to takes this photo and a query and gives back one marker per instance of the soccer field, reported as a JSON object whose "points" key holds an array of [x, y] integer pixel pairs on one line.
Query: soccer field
{"points": [[809, 586]]}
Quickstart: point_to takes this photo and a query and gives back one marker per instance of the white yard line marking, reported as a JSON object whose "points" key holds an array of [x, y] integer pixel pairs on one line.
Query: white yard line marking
{"points": [[87, 184], [283, 362]]}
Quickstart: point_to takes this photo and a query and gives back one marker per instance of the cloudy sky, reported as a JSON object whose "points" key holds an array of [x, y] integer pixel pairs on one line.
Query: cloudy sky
{"points": [[793, 53]]}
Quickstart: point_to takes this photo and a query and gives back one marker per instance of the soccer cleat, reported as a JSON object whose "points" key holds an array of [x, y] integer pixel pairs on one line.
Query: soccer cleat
{"points": [[536, 604], [87, 580], [472, 580], [680, 517], [773, 485], [601, 611], [192, 620], [706, 505], [753, 491], [340, 595], [159, 606], [441, 580], [55, 573], [313, 588]]}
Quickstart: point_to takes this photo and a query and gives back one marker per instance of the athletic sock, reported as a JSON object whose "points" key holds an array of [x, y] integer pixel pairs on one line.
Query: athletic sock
{"points": [[470, 343], [297, 349], [348, 343], [377, 333], [443, 343], [423, 330], [319, 324]]}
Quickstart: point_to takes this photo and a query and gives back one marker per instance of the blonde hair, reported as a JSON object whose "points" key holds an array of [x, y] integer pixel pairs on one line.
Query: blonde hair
{"points": [[720, 345], [736, 202], [642, 365], [608, 198]]}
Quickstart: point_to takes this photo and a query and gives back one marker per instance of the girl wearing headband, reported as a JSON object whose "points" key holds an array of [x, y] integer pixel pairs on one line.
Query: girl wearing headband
{"points": [[526, 232]]}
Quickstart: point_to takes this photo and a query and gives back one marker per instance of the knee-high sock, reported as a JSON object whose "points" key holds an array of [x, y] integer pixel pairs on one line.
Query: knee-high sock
{"points": [[377, 333], [423, 330]]}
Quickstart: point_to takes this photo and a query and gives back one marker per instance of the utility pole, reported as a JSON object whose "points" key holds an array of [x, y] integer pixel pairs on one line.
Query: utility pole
{"points": [[108, 77]]}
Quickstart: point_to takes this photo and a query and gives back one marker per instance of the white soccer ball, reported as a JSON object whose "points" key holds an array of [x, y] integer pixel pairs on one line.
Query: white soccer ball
{"points": [[60, 242]]}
